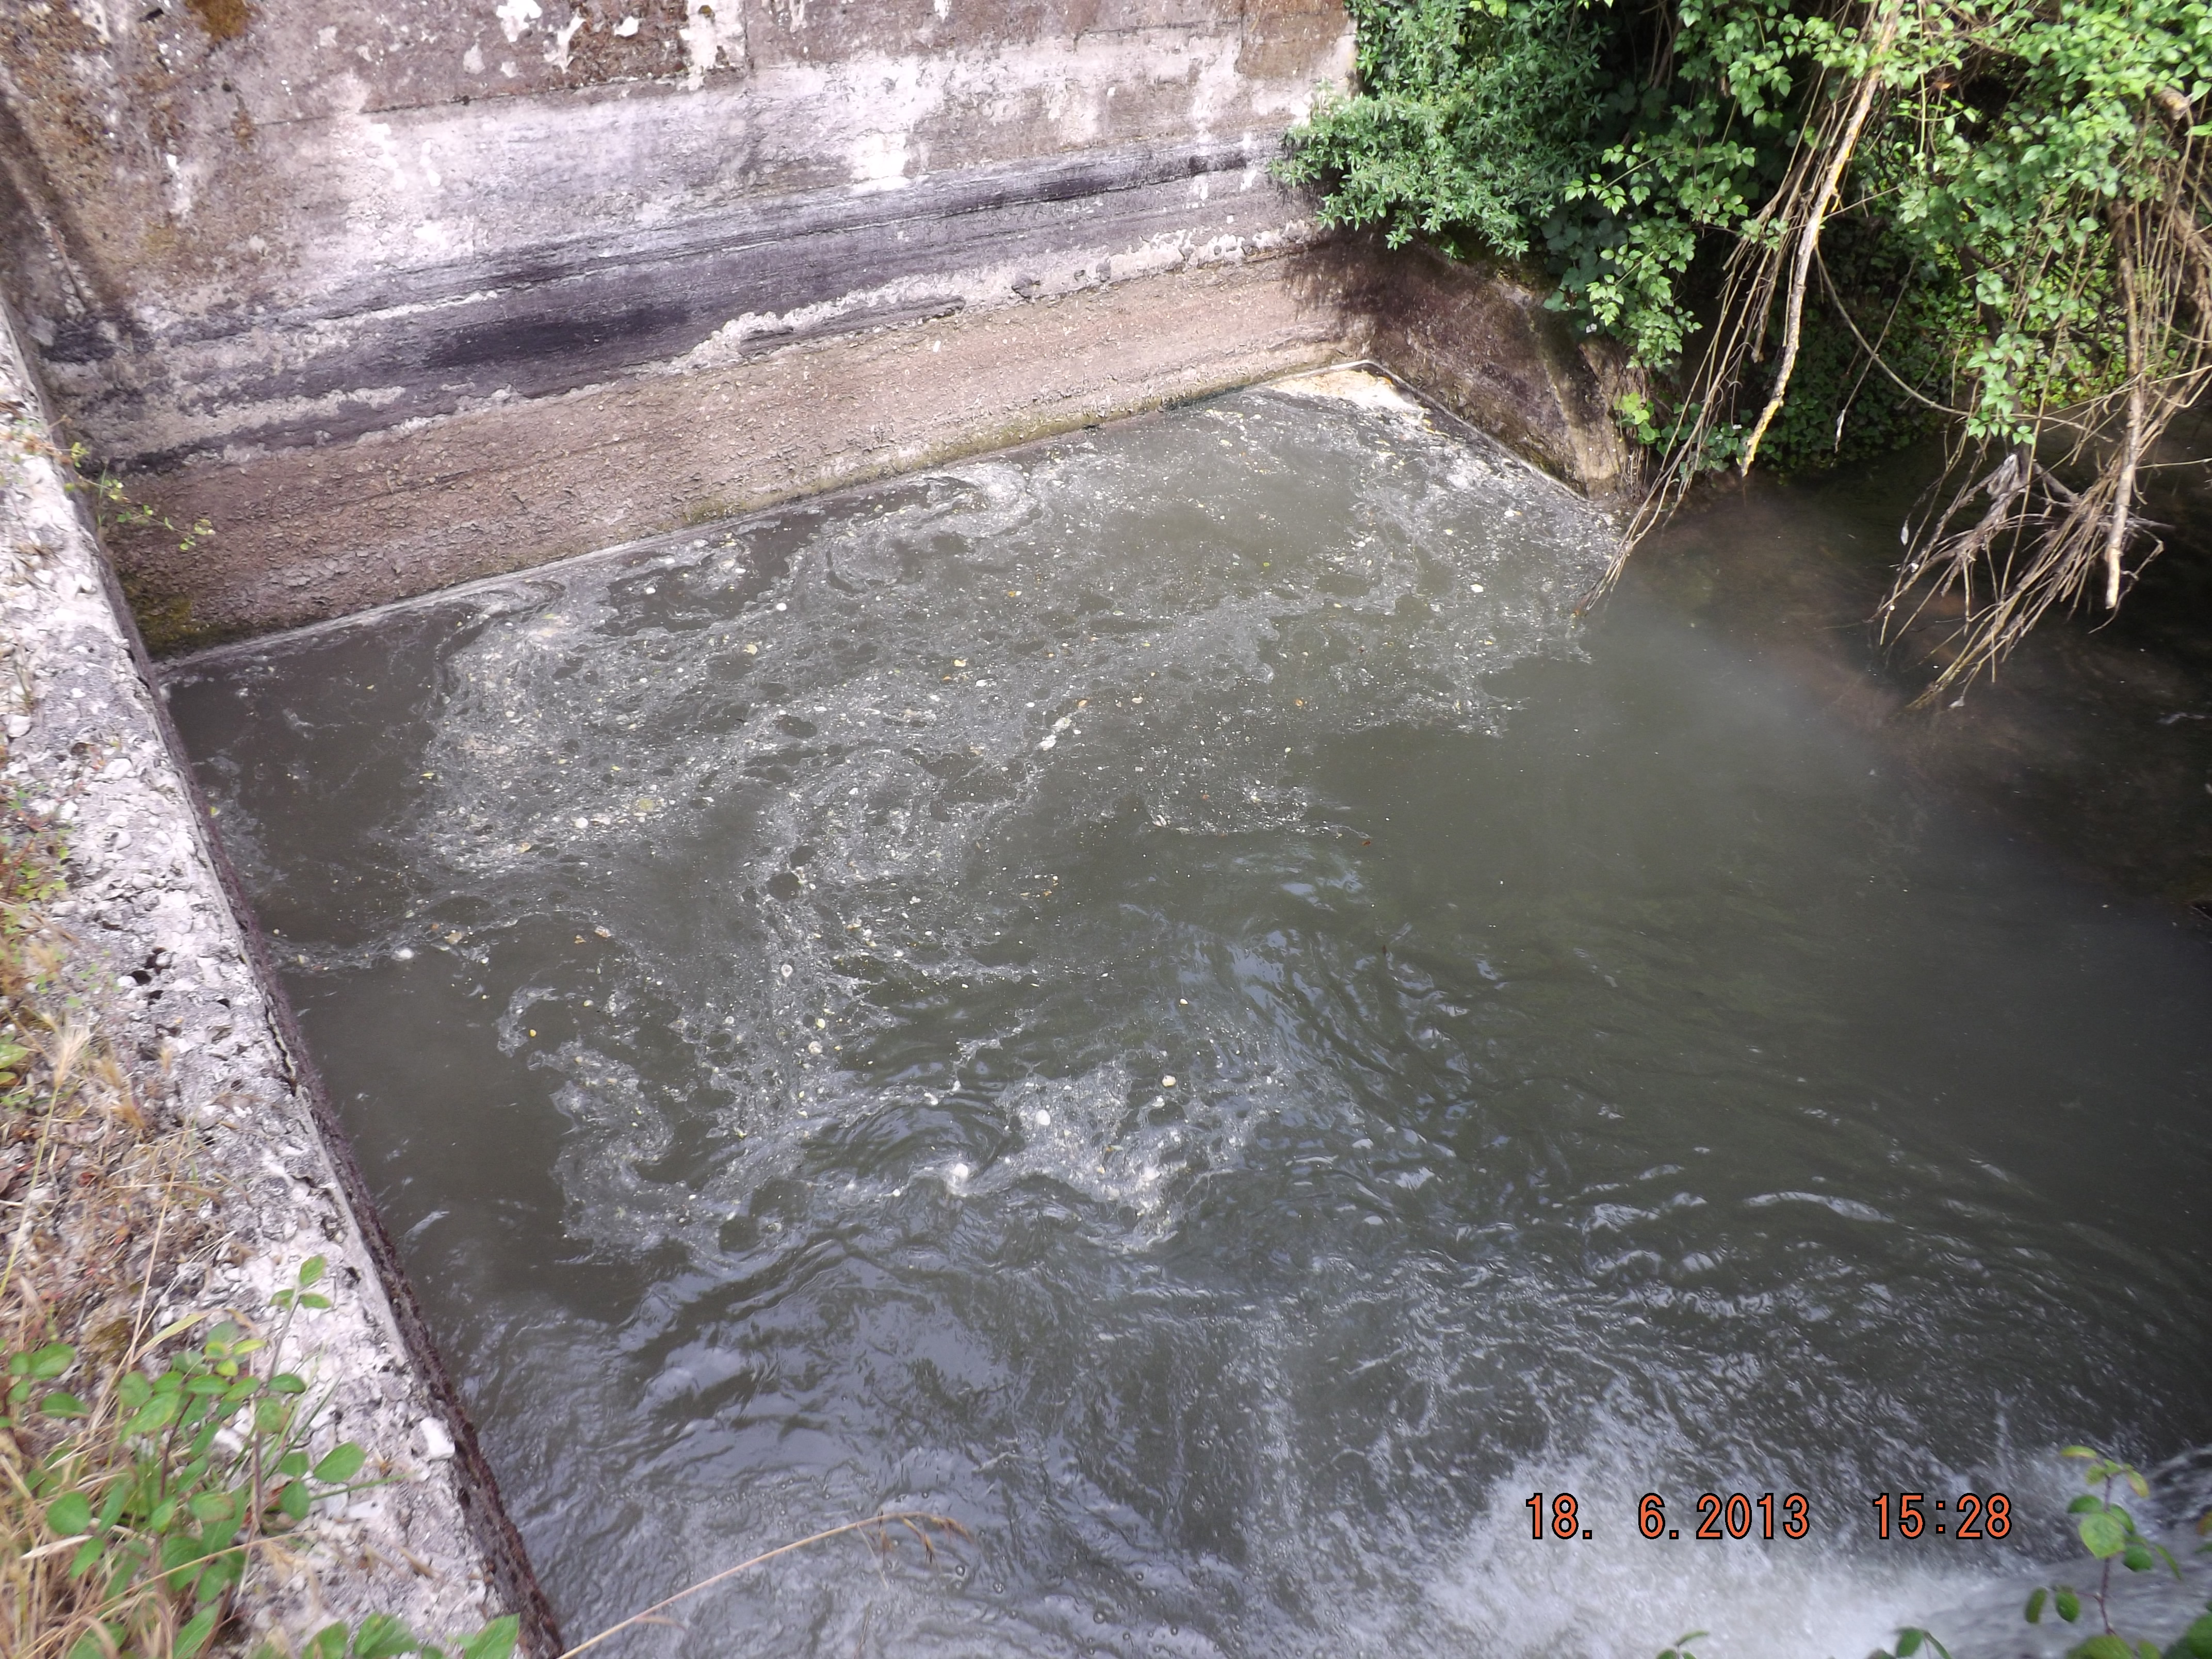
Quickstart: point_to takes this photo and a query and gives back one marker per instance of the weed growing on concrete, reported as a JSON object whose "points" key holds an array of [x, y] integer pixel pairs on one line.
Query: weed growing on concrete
{"points": [[164, 618], [133, 1503], [113, 507], [31, 854]]}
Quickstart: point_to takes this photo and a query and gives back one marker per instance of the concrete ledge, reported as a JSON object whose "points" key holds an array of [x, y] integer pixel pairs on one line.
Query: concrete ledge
{"points": [[152, 909]]}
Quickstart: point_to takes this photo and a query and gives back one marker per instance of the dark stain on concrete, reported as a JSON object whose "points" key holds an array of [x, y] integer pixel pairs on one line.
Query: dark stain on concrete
{"points": [[224, 19]]}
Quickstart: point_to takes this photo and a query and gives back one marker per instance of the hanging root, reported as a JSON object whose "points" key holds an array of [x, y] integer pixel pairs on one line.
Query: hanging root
{"points": [[2040, 543], [1833, 155], [2012, 536]]}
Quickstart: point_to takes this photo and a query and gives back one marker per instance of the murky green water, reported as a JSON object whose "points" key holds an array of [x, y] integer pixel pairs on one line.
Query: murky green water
{"points": [[1161, 997]]}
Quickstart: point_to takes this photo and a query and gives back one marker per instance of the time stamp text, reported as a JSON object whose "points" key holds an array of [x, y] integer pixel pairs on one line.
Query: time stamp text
{"points": [[1715, 1516]]}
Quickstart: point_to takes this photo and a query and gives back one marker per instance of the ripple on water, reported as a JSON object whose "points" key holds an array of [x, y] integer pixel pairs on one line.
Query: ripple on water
{"points": [[753, 966]]}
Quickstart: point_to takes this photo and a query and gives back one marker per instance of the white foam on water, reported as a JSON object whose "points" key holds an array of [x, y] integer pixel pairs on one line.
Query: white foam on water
{"points": [[1363, 388]]}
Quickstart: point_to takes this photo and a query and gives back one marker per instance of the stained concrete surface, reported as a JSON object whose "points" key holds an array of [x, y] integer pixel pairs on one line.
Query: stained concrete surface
{"points": [[232, 238], [306, 533], [398, 295]]}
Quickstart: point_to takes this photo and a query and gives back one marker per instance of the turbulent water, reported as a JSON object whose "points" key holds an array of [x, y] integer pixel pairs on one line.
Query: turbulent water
{"points": [[1162, 996]]}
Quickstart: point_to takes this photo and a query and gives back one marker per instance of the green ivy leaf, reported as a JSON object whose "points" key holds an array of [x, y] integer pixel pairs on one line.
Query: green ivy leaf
{"points": [[153, 1416], [2068, 1603], [177, 1550], [194, 1636], [340, 1464], [2137, 1558], [2102, 1536], [87, 1552], [494, 1641], [62, 1405], [2035, 1601], [69, 1515], [2198, 1639], [2104, 1647], [383, 1636], [221, 1573], [328, 1643]]}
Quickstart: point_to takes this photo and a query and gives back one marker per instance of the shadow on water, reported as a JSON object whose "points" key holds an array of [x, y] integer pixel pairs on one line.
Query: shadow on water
{"points": [[1159, 995], [2096, 738]]}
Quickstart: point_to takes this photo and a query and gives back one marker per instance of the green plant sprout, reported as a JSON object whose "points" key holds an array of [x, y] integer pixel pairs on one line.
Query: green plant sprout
{"points": [[113, 507], [2108, 1532], [154, 1490]]}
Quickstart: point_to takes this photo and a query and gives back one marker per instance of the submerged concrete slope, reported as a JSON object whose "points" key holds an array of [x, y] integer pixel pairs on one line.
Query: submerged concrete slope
{"points": [[248, 230]]}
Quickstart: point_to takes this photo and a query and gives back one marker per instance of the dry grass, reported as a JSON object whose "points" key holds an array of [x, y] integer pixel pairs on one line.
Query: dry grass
{"points": [[100, 1206]]}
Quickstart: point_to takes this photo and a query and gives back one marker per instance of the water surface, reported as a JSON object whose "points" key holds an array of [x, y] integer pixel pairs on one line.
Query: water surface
{"points": [[1162, 996]]}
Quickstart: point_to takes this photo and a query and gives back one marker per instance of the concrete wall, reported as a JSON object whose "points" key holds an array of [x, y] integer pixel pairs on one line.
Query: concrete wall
{"points": [[274, 222], [400, 292], [1479, 340], [245, 228]]}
